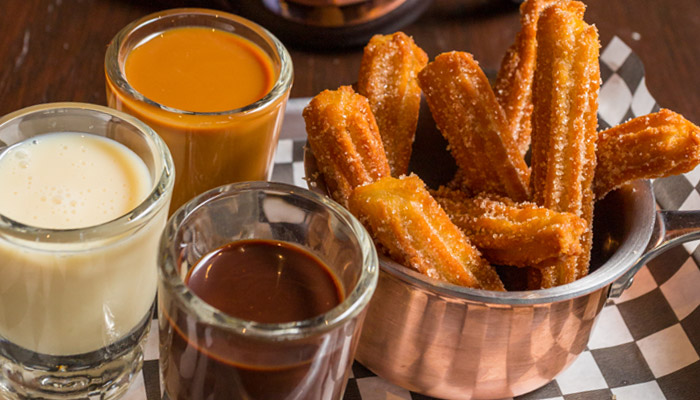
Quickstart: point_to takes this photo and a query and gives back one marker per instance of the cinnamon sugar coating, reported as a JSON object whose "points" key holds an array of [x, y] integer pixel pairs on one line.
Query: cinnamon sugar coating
{"points": [[651, 146], [405, 219], [537, 229], [387, 78], [564, 120], [467, 114], [513, 87], [344, 139], [509, 233]]}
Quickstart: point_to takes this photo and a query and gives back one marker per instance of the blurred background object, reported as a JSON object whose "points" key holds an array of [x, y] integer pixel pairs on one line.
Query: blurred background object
{"points": [[323, 24], [47, 59]]}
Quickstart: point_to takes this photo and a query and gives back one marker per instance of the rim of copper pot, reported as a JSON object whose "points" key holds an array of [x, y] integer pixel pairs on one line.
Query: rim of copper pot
{"points": [[629, 252]]}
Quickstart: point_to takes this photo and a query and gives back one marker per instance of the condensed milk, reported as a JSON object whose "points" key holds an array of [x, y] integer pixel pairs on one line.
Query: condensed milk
{"points": [[68, 181], [85, 196]]}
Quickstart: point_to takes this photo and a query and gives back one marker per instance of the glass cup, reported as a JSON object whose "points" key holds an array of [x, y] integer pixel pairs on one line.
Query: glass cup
{"points": [[209, 148], [206, 353], [76, 304]]}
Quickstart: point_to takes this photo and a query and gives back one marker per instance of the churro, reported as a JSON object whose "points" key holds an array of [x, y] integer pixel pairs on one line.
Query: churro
{"points": [[513, 87], [409, 223], [465, 110], [565, 99], [533, 224], [651, 146], [344, 139], [509, 233], [387, 78]]}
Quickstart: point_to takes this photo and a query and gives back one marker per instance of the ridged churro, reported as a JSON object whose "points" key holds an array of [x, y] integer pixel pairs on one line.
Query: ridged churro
{"points": [[565, 99], [508, 233], [344, 139], [387, 78], [533, 224], [651, 146], [513, 87], [409, 223], [465, 110]]}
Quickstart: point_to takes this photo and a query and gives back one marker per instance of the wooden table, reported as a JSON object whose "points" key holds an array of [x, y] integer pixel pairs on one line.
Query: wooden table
{"points": [[53, 50]]}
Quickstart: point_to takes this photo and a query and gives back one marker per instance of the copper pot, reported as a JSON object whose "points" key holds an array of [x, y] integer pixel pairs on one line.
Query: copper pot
{"points": [[453, 342]]}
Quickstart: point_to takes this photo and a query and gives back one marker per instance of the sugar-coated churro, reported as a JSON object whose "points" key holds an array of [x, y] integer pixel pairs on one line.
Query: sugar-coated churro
{"points": [[344, 139], [513, 87], [509, 233], [387, 78], [409, 223], [565, 99], [466, 112], [496, 217], [651, 146]]}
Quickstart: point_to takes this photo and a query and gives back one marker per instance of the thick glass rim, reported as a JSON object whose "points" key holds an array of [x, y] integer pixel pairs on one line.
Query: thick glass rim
{"points": [[353, 304], [115, 73], [156, 199]]}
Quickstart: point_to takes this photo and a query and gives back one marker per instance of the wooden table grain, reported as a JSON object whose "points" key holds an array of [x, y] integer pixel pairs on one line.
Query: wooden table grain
{"points": [[53, 50]]}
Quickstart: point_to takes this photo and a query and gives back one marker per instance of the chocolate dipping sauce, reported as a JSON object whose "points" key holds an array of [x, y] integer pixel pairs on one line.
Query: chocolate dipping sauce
{"points": [[265, 281], [258, 280]]}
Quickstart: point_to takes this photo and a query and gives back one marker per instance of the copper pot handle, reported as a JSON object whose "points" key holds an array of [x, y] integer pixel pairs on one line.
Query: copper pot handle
{"points": [[671, 228]]}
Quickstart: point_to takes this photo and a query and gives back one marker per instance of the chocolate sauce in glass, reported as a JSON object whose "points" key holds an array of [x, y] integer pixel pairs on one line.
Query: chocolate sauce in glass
{"points": [[265, 281], [258, 280]]}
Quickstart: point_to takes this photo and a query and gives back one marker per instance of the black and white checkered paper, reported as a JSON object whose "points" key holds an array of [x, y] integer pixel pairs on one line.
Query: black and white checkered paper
{"points": [[645, 344]]}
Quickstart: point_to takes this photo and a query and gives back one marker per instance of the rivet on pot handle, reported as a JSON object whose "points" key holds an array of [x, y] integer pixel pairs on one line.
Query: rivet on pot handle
{"points": [[671, 229]]}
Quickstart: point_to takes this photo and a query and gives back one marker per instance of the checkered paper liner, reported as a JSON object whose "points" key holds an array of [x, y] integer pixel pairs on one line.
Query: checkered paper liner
{"points": [[645, 344]]}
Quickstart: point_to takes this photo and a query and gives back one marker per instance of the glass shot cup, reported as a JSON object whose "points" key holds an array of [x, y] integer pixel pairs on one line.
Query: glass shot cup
{"points": [[76, 304], [207, 354], [210, 149]]}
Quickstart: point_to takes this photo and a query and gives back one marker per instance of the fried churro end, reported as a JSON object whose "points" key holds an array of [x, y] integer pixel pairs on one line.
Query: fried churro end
{"points": [[387, 78], [513, 86], [468, 115], [409, 223], [510, 233], [343, 136], [652, 146], [564, 135]]}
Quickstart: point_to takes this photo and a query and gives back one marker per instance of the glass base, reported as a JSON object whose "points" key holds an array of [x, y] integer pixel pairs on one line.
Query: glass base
{"points": [[102, 374]]}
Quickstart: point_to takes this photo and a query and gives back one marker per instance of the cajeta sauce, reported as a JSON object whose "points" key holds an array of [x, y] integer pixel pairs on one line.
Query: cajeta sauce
{"points": [[200, 70], [191, 84]]}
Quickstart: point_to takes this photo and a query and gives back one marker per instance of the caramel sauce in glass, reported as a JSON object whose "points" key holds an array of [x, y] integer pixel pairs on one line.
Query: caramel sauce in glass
{"points": [[202, 75], [200, 70]]}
